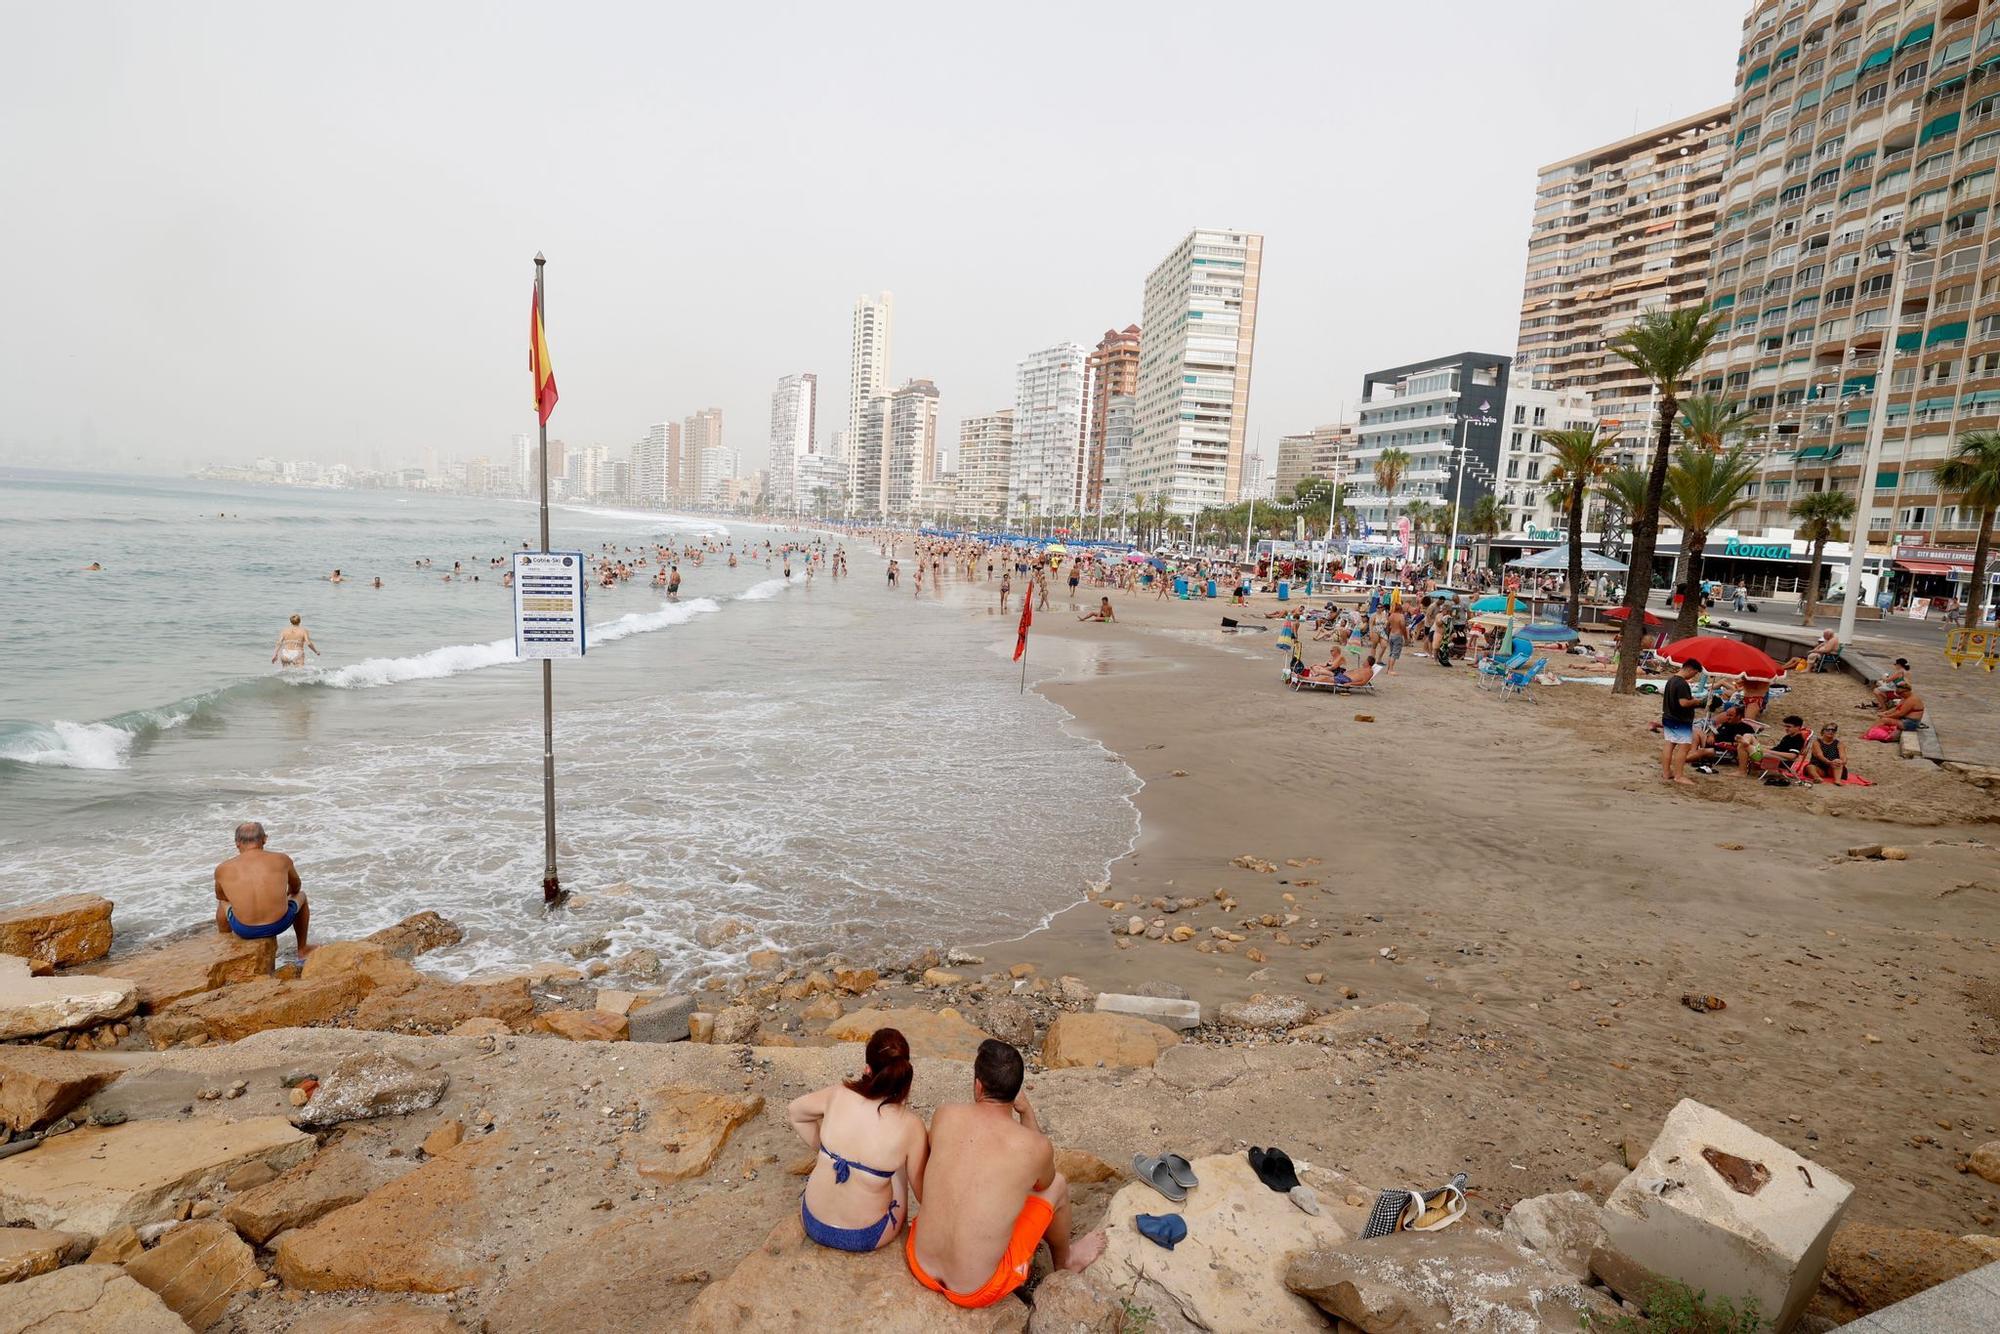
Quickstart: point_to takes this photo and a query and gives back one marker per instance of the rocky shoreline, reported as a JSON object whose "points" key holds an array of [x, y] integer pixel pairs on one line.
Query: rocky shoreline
{"points": [[357, 1145]]}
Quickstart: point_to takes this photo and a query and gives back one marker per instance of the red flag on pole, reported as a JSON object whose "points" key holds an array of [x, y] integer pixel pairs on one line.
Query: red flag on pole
{"points": [[1027, 619]]}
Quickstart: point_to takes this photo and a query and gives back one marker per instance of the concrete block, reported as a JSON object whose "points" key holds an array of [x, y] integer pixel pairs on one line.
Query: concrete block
{"points": [[1724, 1209], [1180, 1014], [665, 1020]]}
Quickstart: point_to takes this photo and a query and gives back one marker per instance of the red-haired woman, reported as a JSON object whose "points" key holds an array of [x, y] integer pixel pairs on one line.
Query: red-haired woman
{"points": [[858, 1194]]}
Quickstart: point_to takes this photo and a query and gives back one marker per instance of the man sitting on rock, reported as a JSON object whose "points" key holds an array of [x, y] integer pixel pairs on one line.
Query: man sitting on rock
{"points": [[991, 1192], [257, 892]]}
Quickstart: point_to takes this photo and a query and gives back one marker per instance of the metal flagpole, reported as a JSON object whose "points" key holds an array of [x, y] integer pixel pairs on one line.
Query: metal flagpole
{"points": [[552, 892]]}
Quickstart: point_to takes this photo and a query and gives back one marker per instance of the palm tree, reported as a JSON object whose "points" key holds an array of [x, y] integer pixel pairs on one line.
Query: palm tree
{"points": [[1581, 457], [1665, 346], [1820, 514], [1704, 490], [1974, 472], [1390, 468], [1712, 423]]}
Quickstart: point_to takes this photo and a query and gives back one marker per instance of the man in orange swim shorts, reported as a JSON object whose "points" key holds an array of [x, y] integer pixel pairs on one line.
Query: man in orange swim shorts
{"points": [[991, 1192]]}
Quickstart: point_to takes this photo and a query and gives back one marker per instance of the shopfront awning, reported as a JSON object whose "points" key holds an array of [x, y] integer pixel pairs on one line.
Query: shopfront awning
{"points": [[1925, 567]]}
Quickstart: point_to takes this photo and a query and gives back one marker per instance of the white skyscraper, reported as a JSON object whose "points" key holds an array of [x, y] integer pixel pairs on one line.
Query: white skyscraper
{"points": [[652, 474], [911, 452], [1198, 330], [719, 464], [867, 379], [794, 435], [525, 464], [1046, 475], [986, 463]]}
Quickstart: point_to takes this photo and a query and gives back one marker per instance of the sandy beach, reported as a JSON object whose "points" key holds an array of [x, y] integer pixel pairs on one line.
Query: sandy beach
{"points": [[1518, 870]]}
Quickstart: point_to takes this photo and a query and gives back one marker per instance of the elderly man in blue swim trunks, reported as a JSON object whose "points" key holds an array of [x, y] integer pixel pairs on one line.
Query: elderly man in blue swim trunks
{"points": [[257, 893]]}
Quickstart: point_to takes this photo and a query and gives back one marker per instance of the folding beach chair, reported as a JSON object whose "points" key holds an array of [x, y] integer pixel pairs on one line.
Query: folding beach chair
{"points": [[1493, 669], [1518, 681]]}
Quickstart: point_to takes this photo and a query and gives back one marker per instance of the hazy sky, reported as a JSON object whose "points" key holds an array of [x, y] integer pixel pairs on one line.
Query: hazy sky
{"points": [[235, 229]]}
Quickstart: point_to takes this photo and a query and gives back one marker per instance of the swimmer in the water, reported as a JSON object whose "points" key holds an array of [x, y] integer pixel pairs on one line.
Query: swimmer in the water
{"points": [[293, 641], [93, 568], [336, 578], [378, 581]]}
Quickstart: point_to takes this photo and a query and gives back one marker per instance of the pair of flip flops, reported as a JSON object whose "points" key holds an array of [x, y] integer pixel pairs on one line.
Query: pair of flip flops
{"points": [[1169, 1173], [1417, 1210], [1273, 1167]]}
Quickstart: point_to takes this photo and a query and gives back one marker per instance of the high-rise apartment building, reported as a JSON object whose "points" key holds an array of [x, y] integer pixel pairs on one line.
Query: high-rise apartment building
{"points": [[526, 460], [1047, 470], [1321, 452], [1531, 508], [1121, 412], [656, 465], [794, 435], [1113, 369], [1618, 231], [719, 467], [699, 434], [985, 464], [910, 450], [1199, 328], [1867, 138], [1421, 409], [868, 368], [867, 459]]}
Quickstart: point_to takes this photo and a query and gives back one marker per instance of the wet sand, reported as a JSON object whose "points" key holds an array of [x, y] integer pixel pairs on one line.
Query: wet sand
{"points": [[1519, 871]]}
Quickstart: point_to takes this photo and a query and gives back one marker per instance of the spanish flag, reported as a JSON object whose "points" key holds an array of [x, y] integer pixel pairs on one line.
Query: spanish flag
{"points": [[538, 361], [1027, 619]]}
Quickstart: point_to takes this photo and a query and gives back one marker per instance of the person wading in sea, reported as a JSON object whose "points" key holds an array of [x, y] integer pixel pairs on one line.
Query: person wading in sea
{"points": [[293, 641]]}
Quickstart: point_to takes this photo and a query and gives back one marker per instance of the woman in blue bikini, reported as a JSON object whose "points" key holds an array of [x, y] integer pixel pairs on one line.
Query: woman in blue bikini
{"points": [[858, 1195]]}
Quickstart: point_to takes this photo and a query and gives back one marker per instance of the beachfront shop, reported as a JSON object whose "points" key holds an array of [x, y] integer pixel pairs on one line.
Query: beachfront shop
{"points": [[1933, 576], [1765, 567]]}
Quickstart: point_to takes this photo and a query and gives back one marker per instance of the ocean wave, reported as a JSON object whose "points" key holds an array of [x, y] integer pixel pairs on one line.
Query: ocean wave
{"points": [[64, 744], [643, 622], [657, 518], [760, 592]]}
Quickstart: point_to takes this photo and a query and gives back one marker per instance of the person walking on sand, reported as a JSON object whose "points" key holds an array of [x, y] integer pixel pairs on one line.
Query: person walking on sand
{"points": [[257, 894], [1677, 723], [992, 1193], [293, 641], [848, 1204], [1006, 587]]}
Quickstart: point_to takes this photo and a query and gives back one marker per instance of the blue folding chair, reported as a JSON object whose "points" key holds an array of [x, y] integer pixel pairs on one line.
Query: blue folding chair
{"points": [[1493, 669], [1518, 681]]}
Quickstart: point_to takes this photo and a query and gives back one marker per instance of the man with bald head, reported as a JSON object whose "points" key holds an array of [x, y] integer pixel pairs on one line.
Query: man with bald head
{"points": [[257, 892]]}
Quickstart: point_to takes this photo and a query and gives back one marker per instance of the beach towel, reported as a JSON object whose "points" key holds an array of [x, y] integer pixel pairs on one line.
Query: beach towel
{"points": [[1880, 732]]}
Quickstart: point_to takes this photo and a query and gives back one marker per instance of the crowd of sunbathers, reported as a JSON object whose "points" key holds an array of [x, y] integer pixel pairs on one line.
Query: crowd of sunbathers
{"points": [[983, 1172], [1726, 730]]}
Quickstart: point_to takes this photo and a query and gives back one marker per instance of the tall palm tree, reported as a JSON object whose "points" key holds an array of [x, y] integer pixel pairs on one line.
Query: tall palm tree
{"points": [[1713, 423], [1704, 490], [1820, 515], [1390, 470], [1664, 346], [1974, 472], [1581, 457]]}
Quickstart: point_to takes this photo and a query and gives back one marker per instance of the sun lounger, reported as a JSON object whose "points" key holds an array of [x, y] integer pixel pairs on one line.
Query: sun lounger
{"points": [[1298, 678]]}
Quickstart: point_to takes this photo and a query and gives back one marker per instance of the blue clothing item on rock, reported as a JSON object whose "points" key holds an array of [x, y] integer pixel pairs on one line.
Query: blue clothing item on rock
{"points": [[267, 929], [846, 1238]]}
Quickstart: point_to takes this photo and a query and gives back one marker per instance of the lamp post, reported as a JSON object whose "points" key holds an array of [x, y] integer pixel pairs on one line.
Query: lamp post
{"points": [[1878, 414]]}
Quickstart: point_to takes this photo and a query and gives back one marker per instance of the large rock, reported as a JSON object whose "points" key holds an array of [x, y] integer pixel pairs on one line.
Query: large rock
{"points": [[196, 1269], [28, 1251], [1228, 1274], [687, 1127], [584, 1025], [790, 1284], [1005, 1018], [371, 1084], [428, 1231], [370, 962], [608, 1281], [31, 1006], [662, 1020], [1870, 1267], [1763, 1238], [1466, 1278], [1563, 1228], [333, 1178], [85, 1299], [203, 962], [95, 1179], [437, 1007], [942, 1033], [38, 1084], [1985, 1161], [1265, 1012], [234, 1012], [58, 932], [1178, 1013], [1066, 1303], [421, 934], [1117, 1040], [735, 1024], [1395, 1021], [382, 1318]]}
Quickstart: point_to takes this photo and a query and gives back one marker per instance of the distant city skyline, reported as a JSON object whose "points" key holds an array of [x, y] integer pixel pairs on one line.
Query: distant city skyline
{"points": [[218, 269]]}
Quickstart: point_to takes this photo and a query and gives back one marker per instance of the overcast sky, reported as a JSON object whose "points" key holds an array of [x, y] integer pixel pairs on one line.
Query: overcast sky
{"points": [[243, 229]]}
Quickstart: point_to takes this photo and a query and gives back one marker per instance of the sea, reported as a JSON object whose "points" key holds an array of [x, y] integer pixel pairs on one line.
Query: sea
{"points": [[838, 766]]}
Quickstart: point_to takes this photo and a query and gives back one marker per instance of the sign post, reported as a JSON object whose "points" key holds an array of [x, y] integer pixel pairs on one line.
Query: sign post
{"points": [[548, 598]]}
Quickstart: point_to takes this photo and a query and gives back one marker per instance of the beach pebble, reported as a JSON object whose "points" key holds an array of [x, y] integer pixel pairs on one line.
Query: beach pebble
{"points": [[299, 1097], [938, 977], [1315, 978], [963, 958], [1157, 931], [1135, 926], [1894, 855], [1182, 933]]}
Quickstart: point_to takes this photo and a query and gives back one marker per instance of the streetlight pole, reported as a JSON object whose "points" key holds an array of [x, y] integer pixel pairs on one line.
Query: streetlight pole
{"points": [[1878, 421]]}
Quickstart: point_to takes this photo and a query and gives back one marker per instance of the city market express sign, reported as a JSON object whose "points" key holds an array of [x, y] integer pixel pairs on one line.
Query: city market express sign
{"points": [[1757, 550]]}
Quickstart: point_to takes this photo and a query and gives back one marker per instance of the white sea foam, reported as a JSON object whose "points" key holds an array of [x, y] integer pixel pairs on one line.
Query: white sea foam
{"points": [[655, 518], [760, 592], [68, 745], [641, 622]]}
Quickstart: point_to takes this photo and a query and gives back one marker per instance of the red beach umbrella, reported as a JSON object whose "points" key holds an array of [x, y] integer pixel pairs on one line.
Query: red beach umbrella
{"points": [[1651, 622], [1725, 657]]}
